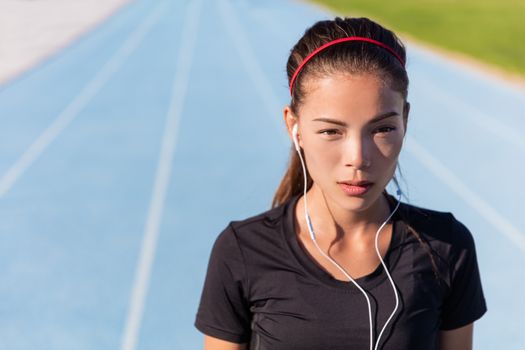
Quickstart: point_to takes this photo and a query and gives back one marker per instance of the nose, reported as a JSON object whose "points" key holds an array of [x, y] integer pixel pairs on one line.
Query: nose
{"points": [[357, 152]]}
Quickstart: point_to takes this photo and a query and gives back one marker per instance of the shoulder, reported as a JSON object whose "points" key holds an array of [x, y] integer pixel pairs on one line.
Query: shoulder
{"points": [[263, 223], [242, 240], [439, 226], [251, 230]]}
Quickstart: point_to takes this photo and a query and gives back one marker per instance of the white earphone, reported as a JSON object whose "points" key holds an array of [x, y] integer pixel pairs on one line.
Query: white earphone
{"points": [[294, 136], [312, 236]]}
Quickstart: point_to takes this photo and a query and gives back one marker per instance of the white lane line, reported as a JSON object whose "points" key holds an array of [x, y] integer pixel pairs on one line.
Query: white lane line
{"points": [[260, 82], [492, 125], [265, 90], [78, 103], [487, 212], [151, 232]]}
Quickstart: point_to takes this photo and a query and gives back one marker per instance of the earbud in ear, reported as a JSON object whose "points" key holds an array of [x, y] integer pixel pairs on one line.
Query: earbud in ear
{"points": [[294, 136]]}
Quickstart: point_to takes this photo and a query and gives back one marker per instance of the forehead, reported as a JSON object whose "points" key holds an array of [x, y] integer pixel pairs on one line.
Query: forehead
{"points": [[349, 97]]}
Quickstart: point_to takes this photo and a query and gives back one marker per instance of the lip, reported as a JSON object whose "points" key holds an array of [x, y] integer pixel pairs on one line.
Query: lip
{"points": [[353, 190], [356, 183]]}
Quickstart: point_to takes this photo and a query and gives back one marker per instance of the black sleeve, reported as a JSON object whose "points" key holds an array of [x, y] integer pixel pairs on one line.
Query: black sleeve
{"points": [[465, 303], [223, 310]]}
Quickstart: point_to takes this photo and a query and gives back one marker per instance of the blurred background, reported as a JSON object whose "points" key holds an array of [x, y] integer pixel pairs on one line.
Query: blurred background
{"points": [[133, 131]]}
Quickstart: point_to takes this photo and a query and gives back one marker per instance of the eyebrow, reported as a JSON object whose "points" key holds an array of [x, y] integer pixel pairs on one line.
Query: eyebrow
{"points": [[342, 123]]}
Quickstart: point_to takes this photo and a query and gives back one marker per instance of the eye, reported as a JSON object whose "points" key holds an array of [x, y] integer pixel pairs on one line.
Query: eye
{"points": [[385, 129], [329, 132]]}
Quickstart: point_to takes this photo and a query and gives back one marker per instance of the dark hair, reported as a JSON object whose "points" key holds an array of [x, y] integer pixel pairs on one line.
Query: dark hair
{"points": [[353, 57]]}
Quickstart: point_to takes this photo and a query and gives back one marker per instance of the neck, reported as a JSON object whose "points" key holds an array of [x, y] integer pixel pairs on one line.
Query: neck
{"points": [[336, 222]]}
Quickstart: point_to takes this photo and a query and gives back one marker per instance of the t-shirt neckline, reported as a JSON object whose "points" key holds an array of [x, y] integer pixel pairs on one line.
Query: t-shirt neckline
{"points": [[368, 281]]}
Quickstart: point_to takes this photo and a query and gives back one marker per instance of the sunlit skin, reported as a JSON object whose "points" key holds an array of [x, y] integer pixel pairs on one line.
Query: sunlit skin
{"points": [[359, 150]]}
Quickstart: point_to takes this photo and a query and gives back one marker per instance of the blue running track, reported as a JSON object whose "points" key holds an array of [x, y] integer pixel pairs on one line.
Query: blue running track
{"points": [[125, 155]]}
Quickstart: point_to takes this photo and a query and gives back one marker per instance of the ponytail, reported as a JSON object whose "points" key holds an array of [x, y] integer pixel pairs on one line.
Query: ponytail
{"points": [[292, 182]]}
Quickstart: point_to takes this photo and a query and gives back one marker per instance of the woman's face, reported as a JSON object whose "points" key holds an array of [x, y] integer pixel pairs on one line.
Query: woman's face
{"points": [[343, 141]]}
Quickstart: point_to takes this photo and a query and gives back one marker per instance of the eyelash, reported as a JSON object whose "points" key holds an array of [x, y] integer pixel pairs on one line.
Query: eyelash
{"points": [[322, 132], [387, 127], [391, 129]]}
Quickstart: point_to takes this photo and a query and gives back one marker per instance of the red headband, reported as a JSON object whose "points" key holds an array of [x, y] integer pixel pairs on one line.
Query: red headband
{"points": [[337, 41]]}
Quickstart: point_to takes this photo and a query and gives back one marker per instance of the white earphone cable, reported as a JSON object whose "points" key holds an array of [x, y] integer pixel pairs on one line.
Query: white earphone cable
{"points": [[312, 236]]}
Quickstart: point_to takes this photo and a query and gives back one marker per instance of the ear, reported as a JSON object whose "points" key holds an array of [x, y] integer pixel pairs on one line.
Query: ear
{"points": [[406, 111], [290, 120]]}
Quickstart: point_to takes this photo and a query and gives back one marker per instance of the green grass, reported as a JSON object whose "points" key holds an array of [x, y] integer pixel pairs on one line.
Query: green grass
{"points": [[488, 30]]}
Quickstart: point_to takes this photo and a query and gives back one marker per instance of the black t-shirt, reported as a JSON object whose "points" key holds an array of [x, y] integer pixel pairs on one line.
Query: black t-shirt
{"points": [[263, 288]]}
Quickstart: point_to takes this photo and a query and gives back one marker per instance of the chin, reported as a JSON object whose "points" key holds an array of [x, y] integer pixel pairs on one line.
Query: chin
{"points": [[357, 203]]}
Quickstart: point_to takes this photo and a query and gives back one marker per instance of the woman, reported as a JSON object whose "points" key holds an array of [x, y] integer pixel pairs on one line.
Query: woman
{"points": [[338, 262]]}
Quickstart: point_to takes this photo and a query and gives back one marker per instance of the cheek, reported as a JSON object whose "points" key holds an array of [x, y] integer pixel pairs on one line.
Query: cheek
{"points": [[388, 147], [322, 158]]}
